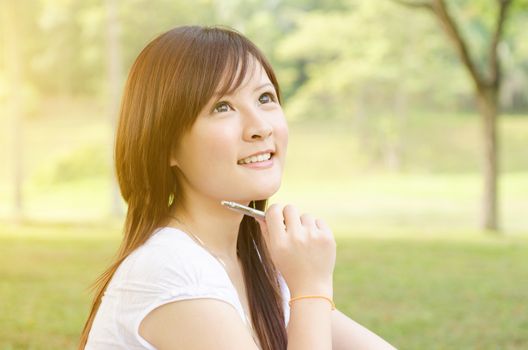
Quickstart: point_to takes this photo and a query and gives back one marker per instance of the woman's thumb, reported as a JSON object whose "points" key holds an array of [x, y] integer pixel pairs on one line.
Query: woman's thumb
{"points": [[263, 227]]}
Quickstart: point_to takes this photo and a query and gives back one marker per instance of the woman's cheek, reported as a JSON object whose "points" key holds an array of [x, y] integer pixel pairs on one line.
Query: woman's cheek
{"points": [[281, 130]]}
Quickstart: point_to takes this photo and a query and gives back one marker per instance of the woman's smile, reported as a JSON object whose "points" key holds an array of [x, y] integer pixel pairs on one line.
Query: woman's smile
{"points": [[264, 164]]}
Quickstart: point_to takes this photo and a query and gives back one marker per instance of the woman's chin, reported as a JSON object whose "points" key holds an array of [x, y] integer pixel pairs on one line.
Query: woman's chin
{"points": [[262, 192]]}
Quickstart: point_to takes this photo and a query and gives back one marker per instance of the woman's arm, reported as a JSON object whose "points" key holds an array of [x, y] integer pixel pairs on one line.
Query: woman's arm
{"points": [[348, 334], [310, 325], [200, 324]]}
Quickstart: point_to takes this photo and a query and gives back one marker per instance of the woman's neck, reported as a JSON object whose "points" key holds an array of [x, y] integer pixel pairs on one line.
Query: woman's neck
{"points": [[217, 230]]}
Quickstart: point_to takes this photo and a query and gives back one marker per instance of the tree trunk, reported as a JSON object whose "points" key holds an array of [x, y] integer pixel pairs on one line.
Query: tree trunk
{"points": [[400, 120], [15, 111], [487, 105], [114, 86]]}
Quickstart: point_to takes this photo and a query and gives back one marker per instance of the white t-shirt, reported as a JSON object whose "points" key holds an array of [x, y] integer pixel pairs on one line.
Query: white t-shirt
{"points": [[170, 266]]}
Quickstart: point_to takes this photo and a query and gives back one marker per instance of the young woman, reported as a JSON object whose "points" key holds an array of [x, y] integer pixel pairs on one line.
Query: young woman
{"points": [[201, 122]]}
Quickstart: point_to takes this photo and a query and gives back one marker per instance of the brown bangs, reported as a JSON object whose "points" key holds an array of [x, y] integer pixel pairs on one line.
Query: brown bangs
{"points": [[221, 61]]}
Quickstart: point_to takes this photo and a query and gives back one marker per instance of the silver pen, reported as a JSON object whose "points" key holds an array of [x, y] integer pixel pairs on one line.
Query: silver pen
{"points": [[258, 214]]}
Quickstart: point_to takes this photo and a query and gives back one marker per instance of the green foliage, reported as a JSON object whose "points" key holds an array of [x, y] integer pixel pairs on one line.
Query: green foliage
{"points": [[85, 162], [364, 61], [326, 52]]}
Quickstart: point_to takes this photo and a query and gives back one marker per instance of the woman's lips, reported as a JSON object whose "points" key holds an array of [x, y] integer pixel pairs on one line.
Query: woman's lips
{"points": [[260, 165]]}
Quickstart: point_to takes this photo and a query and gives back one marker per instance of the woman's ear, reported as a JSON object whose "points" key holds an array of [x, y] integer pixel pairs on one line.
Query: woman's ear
{"points": [[172, 158], [173, 162]]}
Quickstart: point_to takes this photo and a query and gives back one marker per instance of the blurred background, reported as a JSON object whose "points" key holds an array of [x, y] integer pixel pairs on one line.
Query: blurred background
{"points": [[392, 106]]}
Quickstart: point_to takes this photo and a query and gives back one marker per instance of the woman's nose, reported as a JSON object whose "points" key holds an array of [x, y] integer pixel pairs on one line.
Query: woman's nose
{"points": [[256, 125]]}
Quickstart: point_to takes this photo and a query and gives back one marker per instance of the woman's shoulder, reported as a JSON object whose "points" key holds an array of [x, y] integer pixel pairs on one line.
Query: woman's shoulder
{"points": [[170, 253], [168, 267]]}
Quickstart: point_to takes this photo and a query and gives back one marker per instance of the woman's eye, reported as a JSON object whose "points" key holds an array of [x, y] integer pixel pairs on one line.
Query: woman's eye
{"points": [[268, 97], [221, 107]]}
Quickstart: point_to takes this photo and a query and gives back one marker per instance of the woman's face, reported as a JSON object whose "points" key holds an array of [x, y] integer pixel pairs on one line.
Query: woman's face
{"points": [[229, 129]]}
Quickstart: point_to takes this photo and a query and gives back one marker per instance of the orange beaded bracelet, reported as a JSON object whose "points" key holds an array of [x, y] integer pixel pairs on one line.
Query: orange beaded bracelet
{"points": [[313, 296]]}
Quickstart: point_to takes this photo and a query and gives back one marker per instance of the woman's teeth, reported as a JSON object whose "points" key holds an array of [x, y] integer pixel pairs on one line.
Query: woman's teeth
{"points": [[259, 158]]}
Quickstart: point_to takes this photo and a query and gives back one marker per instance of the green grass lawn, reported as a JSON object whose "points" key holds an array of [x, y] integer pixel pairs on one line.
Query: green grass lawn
{"points": [[469, 292]]}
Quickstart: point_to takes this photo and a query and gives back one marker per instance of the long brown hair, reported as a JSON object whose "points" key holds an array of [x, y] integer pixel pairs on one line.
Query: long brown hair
{"points": [[170, 82]]}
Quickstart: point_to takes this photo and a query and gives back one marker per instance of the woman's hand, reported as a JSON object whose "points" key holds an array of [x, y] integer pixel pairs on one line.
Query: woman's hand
{"points": [[302, 247]]}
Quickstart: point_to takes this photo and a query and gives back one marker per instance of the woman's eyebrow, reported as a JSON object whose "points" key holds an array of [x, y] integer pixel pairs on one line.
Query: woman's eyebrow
{"points": [[261, 86], [217, 94]]}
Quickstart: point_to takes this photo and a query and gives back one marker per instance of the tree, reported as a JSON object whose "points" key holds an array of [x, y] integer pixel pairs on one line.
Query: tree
{"points": [[114, 69], [14, 72], [486, 80], [360, 65]]}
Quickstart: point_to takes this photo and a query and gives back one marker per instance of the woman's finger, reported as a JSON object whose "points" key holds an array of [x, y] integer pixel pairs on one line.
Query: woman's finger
{"points": [[275, 223], [321, 225], [292, 219], [308, 220]]}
